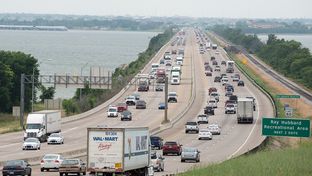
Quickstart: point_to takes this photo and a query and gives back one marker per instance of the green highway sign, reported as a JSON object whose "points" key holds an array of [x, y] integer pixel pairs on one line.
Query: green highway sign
{"points": [[287, 96], [286, 127]]}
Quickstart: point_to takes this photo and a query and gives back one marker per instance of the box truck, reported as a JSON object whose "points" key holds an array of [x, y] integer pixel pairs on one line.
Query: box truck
{"points": [[124, 151], [42, 123], [244, 110]]}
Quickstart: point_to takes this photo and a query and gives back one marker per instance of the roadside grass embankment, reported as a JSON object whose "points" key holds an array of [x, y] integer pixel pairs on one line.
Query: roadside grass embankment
{"points": [[287, 161], [8, 123]]}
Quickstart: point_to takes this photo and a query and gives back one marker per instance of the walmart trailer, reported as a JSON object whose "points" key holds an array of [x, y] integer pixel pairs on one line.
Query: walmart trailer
{"points": [[119, 151]]}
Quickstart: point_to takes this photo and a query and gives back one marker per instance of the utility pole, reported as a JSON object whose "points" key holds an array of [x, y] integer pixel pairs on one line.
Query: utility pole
{"points": [[166, 102], [22, 101]]}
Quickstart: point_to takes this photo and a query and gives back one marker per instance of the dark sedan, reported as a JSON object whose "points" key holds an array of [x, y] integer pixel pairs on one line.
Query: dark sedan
{"points": [[16, 167], [140, 104], [126, 115]]}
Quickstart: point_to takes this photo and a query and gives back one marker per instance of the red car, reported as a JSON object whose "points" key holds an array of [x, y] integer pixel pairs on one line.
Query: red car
{"points": [[172, 147], [122, 107]]}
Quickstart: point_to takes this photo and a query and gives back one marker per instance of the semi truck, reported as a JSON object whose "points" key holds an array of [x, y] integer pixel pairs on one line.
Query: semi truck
{"points": [[230, 67], [160, 75], [43, 123], [244, 110], [119, 151]]}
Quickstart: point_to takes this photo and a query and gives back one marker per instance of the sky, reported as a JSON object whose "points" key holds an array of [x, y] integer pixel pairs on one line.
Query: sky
{"points": [[191, 8]]}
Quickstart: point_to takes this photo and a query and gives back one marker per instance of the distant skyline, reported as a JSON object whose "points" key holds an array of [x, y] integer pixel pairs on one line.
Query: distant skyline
{"points": [[190, 8]]}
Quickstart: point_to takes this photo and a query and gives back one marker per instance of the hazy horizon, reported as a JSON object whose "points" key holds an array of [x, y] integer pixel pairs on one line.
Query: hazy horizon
{"points": [[277, 9]]}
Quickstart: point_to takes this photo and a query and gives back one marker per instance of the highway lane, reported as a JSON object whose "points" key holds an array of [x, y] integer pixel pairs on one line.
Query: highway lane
{"points": [[75, 132], [151, 117], [220, 148], [235, 139]]}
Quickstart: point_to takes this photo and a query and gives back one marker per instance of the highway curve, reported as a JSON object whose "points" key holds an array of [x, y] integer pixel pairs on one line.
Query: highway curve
{"points": [[235, 139]]}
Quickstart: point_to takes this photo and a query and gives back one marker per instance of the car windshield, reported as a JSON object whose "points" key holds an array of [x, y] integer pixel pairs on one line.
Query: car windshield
{"points": [[141, 102], [171, 143], [31, 140], [55, 135], [50, 157], [112, 110], [70, 162], [188, 149], [14, 163], [126, 113], [172, 94], [230, 105], [33, 126], [203, 130], [191, 123]]}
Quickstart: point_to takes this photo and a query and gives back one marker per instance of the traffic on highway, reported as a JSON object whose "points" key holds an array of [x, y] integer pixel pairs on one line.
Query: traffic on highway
{"points": [[189, 106]]}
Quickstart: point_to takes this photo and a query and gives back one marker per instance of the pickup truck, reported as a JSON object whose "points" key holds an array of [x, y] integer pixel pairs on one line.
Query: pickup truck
{"points": [[191, 126]]}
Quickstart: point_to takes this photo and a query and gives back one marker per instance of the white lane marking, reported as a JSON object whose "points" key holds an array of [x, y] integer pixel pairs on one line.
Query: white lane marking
{"points": [[255, 124], [3, 146], [69, 130]]}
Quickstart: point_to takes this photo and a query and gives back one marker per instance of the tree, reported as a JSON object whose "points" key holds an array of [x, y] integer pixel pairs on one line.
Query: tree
{"points": [[19, 63], [6, 77], [46, 93]]}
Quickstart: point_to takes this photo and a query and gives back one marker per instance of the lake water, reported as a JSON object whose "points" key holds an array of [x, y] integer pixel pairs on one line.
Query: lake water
{"points": [[74, 51], [305, 39]]}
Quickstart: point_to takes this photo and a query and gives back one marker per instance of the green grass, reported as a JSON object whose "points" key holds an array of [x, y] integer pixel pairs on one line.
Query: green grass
{"points": [[278, 162], [8, 123], [271, 90]]}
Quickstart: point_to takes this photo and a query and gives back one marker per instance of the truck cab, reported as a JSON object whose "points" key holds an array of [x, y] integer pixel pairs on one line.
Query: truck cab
{"points": [[42, 123]]}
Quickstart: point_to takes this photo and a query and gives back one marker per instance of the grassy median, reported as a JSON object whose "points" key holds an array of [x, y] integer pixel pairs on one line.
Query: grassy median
{"points": [[282, 162]]}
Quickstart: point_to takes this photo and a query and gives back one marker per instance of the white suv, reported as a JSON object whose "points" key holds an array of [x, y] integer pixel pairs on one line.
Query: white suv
{"points": [[112, 111], [213, 103], [191, 126]]}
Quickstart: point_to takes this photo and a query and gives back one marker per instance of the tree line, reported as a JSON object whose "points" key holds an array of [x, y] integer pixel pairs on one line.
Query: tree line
{"points": [[81, 23], [288, 57]]}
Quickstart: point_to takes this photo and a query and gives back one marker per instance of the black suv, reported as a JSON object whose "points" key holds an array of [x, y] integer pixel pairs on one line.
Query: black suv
{"points": [[209, 110]]}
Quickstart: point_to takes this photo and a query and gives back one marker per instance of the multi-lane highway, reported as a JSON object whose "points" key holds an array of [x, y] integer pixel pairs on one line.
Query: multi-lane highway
{"points": [[234, 140]]}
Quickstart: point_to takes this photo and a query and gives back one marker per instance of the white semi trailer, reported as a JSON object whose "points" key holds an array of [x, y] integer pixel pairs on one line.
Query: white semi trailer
{"points": [[42, 123], [119, 151], [244, 110]]}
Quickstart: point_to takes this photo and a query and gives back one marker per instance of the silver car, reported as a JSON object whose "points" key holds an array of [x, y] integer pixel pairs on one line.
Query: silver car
{"points": [[51, 161], [56, 138], [214, 129], [31, 144], [158, 162], [190, 153]]}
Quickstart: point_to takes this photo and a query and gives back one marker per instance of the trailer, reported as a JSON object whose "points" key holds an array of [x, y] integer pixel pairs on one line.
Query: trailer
{"points": [[244, 110], [119, 151]]}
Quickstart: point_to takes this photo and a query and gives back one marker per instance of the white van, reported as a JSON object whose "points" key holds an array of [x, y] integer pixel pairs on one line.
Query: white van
{"points": [[179, 60], [175, 78]]}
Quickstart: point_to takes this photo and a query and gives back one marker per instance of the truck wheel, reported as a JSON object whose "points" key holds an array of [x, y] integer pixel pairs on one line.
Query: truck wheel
{"points": [[42, 169], [61, 174], [182, 160], [84, 173]]}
